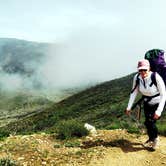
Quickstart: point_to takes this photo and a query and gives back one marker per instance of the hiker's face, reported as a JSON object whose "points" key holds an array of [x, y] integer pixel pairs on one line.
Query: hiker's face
{"points": [[144, 73]]}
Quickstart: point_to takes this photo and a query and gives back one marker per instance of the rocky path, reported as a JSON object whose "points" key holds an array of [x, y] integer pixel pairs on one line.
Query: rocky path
{"points": [[107, 148], [128, 151]]}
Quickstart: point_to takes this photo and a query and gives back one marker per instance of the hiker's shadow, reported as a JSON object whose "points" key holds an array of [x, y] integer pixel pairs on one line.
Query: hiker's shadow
{"points": [[125, 145]]}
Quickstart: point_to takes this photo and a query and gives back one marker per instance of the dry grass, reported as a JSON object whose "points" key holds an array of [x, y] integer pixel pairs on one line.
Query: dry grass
{"points": [[44, 149]]}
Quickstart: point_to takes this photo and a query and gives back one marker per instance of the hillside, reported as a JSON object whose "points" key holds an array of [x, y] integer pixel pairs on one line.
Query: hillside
{"points": [[17, 56], [102, 106], [22, 89], [15, 105], [20, 62]]}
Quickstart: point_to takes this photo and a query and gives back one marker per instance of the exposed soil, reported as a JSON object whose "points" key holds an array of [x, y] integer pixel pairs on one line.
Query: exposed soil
{"points": [[107, 148], [130, 152]]}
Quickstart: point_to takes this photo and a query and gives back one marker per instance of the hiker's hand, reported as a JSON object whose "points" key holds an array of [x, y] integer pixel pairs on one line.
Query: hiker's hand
{"points": [[156, 117], [127, 112]]}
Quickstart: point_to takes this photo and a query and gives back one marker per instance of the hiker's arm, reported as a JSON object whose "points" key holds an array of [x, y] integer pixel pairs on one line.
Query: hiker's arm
{"points": [[132, 95], [162, 91]]}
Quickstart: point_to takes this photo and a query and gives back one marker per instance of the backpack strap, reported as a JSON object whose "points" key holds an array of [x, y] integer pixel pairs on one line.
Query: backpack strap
{"points": [[145, 98], [136, 84], [153, 78]]}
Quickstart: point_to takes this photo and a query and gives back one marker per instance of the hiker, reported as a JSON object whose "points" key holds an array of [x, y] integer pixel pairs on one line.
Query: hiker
{"points": [[154, 97]]}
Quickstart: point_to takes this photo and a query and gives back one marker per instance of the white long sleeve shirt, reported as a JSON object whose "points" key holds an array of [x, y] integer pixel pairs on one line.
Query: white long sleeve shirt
{"points": [[145, 89]]}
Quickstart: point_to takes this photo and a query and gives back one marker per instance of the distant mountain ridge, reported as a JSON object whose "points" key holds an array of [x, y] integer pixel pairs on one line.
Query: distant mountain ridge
{"points": [[17, 56]]}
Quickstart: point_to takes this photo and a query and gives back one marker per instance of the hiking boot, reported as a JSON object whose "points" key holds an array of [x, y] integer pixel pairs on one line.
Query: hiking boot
{"points": [[155, 143], [148, 144]]}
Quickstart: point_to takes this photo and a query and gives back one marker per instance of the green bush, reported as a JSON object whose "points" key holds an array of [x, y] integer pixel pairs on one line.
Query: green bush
{"points": [[3, 134], [72, 144], [7, 162], [162, 128], [71, 128], [134, 130]]}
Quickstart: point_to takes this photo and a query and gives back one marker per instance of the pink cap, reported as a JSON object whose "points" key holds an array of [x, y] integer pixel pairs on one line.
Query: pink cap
{"points": [[143, 64]]}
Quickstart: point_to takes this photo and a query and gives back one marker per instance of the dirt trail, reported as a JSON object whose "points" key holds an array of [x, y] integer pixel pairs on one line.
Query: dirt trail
{"points": [[107, 148], [127, 150]]}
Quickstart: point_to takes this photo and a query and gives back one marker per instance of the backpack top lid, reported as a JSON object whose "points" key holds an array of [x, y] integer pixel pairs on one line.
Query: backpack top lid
{"points": [[154, 53], [156, 58]]}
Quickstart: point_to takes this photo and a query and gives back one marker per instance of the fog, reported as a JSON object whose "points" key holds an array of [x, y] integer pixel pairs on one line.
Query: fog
{"points": [[93, 41], [86, 57], [93, 56]]}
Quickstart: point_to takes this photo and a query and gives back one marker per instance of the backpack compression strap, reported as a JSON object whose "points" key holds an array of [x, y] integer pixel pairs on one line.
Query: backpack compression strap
{"points": [[154, 53]]}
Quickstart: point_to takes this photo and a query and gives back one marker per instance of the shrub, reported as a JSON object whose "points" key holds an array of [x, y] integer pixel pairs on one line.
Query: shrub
{"points": [[113, 126], [71, 128], [72, 144], [3, 134], [7, 162], [162, 128], [134, 130]]}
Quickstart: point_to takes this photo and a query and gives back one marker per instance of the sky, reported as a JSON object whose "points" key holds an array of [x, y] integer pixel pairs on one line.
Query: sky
{"points": [[94, 40]]}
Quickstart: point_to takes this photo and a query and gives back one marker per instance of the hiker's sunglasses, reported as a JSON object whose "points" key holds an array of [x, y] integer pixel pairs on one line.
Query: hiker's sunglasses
{"points": [[142, 70]]}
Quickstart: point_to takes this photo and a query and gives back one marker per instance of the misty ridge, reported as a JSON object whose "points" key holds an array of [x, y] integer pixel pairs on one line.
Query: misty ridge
{"points": [[75, 64], [26, 65], [19, 63]]}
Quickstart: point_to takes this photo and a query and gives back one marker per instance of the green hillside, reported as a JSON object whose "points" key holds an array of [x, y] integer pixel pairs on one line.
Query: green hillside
{"points": [[14, 105], [102, 106]]}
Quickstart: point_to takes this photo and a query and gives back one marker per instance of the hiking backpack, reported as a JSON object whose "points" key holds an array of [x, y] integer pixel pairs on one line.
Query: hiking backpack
{"points": [[157, 62]]}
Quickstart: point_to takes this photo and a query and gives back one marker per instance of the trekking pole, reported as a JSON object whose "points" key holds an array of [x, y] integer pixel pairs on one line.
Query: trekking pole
{"points": [[139, 102], [139, 112], [137, 118], [139, 125]]}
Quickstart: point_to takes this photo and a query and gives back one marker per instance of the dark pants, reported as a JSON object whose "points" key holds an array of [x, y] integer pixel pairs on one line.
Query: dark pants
{"points": [[150, 123]]}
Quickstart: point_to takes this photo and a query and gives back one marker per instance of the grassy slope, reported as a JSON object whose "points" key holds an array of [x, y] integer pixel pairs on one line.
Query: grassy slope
{"points": [[96, 105], [102, 106], [14, 105]]}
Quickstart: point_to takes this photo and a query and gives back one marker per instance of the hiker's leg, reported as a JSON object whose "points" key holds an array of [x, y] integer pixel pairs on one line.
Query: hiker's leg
{"points": [[152, 130], [150, 123]]}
